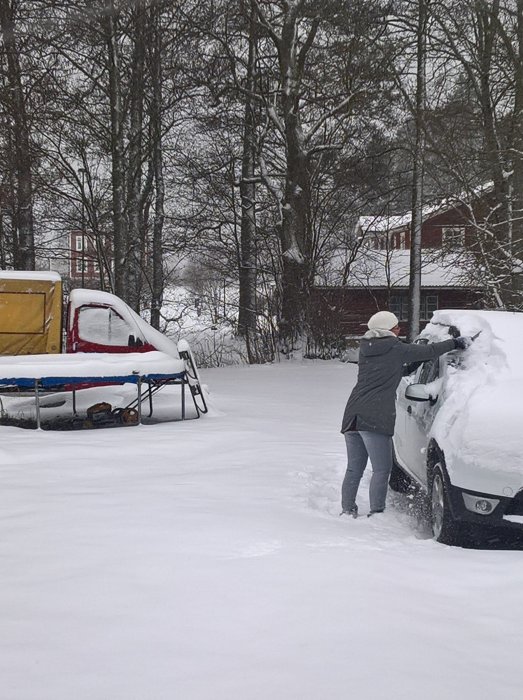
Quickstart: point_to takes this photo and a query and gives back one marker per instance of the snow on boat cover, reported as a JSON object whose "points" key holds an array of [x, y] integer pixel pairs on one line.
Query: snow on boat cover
{"points": [[89, 365]]}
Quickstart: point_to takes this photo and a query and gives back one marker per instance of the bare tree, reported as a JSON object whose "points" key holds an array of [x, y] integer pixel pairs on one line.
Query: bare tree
{"points": [[311, 111], [481, 43], [24, 249]]}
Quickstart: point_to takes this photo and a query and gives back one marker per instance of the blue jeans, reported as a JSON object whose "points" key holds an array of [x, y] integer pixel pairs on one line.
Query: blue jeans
{"points": [[363, 445]]}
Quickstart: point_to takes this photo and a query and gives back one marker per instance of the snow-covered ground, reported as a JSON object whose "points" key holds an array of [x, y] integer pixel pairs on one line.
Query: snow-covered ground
{"points": [[206, 560]]}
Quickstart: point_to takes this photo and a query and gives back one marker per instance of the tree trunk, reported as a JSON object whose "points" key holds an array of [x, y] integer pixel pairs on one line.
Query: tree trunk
{"points": [[247, 276], [120, 281], [295, 224], [3, 257], [417, 177], [134, 181], [156, 131], [516, 238], [295, 234], [497, 246], [24, 253]]}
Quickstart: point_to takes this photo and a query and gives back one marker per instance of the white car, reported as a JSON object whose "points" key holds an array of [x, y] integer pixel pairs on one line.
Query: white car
{"points": [[459, 425]]}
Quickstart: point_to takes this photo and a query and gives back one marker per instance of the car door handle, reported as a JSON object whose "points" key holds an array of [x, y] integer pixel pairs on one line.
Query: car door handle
{"points": [[409, 410]]}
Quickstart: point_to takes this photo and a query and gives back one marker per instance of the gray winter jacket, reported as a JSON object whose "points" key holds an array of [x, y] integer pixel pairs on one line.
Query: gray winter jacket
{"points": [[372, 403]]}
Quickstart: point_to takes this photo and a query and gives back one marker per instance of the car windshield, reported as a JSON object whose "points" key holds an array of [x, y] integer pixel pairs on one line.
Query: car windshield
{"points": [[452, 359]]}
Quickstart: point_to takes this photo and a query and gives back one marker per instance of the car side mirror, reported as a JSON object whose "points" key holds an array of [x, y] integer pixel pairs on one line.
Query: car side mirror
{"points": [[418, 392]]}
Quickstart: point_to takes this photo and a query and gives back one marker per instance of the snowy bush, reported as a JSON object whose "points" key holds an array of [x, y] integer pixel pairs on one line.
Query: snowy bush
{"points": [[206, 317]]}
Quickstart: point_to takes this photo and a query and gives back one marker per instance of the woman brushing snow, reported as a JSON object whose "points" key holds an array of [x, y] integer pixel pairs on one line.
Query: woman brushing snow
{"points": [[370, 413]]}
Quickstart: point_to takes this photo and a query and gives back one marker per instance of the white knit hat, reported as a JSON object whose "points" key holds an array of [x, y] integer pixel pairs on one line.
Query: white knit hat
{"points": [[383, 320]]}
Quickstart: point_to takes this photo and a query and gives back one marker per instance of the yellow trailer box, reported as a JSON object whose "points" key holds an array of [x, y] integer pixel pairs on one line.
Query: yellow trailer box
{"points": [[30, 313]]}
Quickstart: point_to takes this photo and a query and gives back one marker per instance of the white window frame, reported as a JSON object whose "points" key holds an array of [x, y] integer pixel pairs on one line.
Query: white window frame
{"points": [[427, 309], [79, 243], [399, 305], [81, 265]]}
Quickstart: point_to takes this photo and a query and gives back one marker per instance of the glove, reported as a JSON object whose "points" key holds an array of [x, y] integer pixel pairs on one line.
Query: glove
{"points": [[462, 342]]}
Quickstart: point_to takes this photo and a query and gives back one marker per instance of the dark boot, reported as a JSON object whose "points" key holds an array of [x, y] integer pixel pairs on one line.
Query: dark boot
{"points": [[350, 511]]}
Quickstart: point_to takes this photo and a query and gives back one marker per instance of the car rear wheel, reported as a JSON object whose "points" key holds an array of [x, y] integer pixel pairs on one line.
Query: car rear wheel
{"points": [[444, 528]]}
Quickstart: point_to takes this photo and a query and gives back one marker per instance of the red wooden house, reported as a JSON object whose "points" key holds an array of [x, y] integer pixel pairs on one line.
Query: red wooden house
{"points": [[374, 275]]}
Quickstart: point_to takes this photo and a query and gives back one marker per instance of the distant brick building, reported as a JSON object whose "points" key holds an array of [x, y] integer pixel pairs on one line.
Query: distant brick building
{"points": [[83, 260], [76, 258]]}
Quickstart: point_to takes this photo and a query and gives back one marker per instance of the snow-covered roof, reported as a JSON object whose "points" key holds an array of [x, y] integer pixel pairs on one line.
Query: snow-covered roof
{"points": [[380, 268], [372, 224], [46, 275], [381, 224]]}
